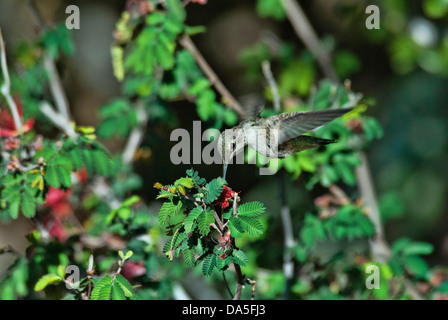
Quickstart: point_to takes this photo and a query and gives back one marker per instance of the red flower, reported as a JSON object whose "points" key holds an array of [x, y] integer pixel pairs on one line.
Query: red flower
{"points": [[82, 175], [12, 143], [57, 230], [224, 197], [57, 200], [7, 125], [133, 269]]}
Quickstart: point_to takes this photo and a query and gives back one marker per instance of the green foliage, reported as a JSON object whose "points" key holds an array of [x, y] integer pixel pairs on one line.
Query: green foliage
{"points": [[18, 194], [118, 118], [47, 280], [406, 257], [56, 41], [435, 8], [271, 8], [349, 223], [108, 288], [207, 230], [14, 285]]}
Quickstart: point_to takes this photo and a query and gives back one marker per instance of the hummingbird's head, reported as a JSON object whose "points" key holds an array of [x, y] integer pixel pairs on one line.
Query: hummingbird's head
{"points": [[230, 143]]}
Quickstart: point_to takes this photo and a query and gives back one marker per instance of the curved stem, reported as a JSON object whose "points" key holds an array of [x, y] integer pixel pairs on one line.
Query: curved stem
{"points": [[6, 87], [230, 101]]}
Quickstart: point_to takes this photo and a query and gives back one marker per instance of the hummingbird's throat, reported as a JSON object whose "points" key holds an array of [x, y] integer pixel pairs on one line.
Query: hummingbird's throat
{"points": [[233, 141]]}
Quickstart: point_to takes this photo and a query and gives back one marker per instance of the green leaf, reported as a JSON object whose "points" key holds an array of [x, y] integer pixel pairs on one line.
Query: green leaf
{"points": [[400, 244], [239, 257], [236, 230], [124, 213], [130, 201], [251, 225], [435, 8], [192, 30], [129, 254], [117, 292], [188, 254], [28, 204], [46, 280], [205, 219], [102, 289], [177, 9], [271, 8], [192, 216], [251, 209], [14, 207], [213, 190], [418, 248], [186, 182], [125, 285], [168, 209], [209, 264], [416, 265]]}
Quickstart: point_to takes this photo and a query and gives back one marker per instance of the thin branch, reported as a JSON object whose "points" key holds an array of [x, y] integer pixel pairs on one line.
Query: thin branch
{"points": [[266, 66], [36, 13], [59, 120], [340, 195], [306, 33], [288, 263], [56, 88], [285, 212], [10, 249], [227, 284], [6, 86], [136, 136], [228, 98], [252, 283], [239, 282], [379, 247]]}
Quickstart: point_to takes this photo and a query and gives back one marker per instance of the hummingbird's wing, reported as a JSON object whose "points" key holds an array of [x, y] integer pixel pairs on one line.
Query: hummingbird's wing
{"points": [[252, 104], [292, 125]]}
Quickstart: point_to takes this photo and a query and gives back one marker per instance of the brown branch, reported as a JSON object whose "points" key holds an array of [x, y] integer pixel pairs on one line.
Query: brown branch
{"points": [[379, 247], [306, 33], [239, 282], [6, 86], [228, 98], [56, 87], [136, 135], [266, 66]]}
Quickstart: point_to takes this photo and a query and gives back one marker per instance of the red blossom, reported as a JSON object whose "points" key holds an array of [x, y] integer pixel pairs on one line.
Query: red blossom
{"points": [[57, 200], [13, 164], [12, 143], [133, 269], [224, 197], [222, 256], [7, 125], [57, 230], [82, 175]]}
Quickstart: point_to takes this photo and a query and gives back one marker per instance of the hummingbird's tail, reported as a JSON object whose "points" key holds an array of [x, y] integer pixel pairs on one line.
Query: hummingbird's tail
{"points": [[323, 142], [301, 143]]}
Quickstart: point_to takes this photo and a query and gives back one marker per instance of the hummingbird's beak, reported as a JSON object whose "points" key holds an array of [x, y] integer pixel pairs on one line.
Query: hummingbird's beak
{"points": [[224, 171]]}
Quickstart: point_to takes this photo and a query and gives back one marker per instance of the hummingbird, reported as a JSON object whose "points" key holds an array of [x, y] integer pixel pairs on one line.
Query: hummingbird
{"points": [[278, 136]]}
